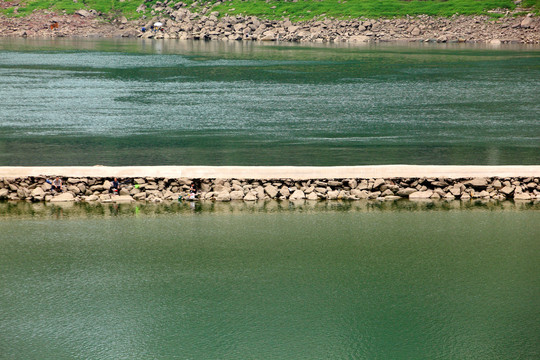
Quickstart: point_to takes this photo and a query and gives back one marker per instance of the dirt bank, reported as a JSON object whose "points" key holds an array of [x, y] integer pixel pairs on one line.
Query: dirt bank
{"points": [[180, 23]]}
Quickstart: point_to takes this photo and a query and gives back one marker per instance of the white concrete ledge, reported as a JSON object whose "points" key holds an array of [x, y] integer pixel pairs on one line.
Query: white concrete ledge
{"points": [[276, 172]]}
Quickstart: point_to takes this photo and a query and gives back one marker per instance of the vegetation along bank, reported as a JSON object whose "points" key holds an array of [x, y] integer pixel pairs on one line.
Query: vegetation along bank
{"points": [[491, 21]]}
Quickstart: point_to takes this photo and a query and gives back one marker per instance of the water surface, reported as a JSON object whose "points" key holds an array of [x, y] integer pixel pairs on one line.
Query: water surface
{"points": [[273, 281], [134, 102]]}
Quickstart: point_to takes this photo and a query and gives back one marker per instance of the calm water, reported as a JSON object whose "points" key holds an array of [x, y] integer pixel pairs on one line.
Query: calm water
{"points": [[112, 102], [272, 281]]}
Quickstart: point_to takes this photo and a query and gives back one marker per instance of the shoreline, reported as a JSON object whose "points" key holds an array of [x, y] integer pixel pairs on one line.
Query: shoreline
{"points": [[249, 184], [181, 23]]}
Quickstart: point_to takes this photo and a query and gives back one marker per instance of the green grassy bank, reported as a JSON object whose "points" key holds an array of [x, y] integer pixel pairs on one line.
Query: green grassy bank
{"points": [[278, 9]]}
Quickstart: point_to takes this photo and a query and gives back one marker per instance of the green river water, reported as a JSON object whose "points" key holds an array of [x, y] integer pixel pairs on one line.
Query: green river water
{"points": [[134, 102], [270, 280]]}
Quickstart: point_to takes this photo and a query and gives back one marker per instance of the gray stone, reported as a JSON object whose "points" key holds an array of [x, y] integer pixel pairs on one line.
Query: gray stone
{"points": [[236, 195], [312, 196], [333, 195], [64, 197], [526, 23], [360, 194], [387, 192], [38, 193], [419, 195], [377, 183], [139, 196], [477, 183], [297, 195], [250, 197], [284, 191], [405, 192], [223, 196], [507, 190], [271, 190], [522, 196]]}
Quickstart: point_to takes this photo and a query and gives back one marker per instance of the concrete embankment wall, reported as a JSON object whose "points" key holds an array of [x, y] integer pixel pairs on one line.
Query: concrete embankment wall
{"points": [[162, 183]]}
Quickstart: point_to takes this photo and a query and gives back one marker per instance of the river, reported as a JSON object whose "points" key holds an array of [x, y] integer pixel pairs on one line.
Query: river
{"points": [[270, 281], [134, 102]]}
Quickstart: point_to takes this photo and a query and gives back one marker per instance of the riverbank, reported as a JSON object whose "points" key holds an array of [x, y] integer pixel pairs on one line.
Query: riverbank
{"points": [[181, 23], [156, 184]]}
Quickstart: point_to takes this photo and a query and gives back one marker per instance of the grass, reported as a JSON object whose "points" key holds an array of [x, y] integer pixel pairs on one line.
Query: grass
{"points": [[360, 8], [113, 7], [300, 10]]}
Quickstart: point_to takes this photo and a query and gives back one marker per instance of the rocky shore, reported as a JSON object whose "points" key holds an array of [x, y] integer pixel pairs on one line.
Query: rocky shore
{"points": [[179, 22], [159, 189]]}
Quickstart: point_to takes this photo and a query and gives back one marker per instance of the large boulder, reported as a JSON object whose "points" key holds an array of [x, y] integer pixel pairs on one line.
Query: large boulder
{"points": [[478, 183], [4, 194], [223, 196], [271, 191], [236, 195], [526, 23], [297, 195], [38, 194], [64, 197], [405, 192], [250, 197], [522, 196], [421, 195]]}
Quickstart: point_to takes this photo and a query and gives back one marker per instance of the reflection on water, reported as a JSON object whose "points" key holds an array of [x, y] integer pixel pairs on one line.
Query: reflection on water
{"points": [[272, 280], [21, 210]]}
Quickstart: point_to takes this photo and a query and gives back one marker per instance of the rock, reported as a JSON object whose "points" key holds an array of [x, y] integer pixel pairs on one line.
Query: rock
{"points": [[421, 195], [92, 198], [139, 196], [507, 190], [522, 196], [465, 196], [495, 42], [38, 193], [374, 194], [497, 184], [387, 192], [377, 183], [64, 197], [455, 191], [333, 194], [74, 189], [478, 183], [312, 196], [297, 195], [271, 191], [236, 195], [250, 197], [415, 32], [360, 194], [481, 194], [4, 194], [526, 23], [284, 191], [223, 196], [123, 199], [83, 13], [405, 192], [392, 198]]}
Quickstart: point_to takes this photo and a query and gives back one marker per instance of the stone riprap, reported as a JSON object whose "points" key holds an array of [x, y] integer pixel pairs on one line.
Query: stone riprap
{"points": [[158, 189], [181, 23]]}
